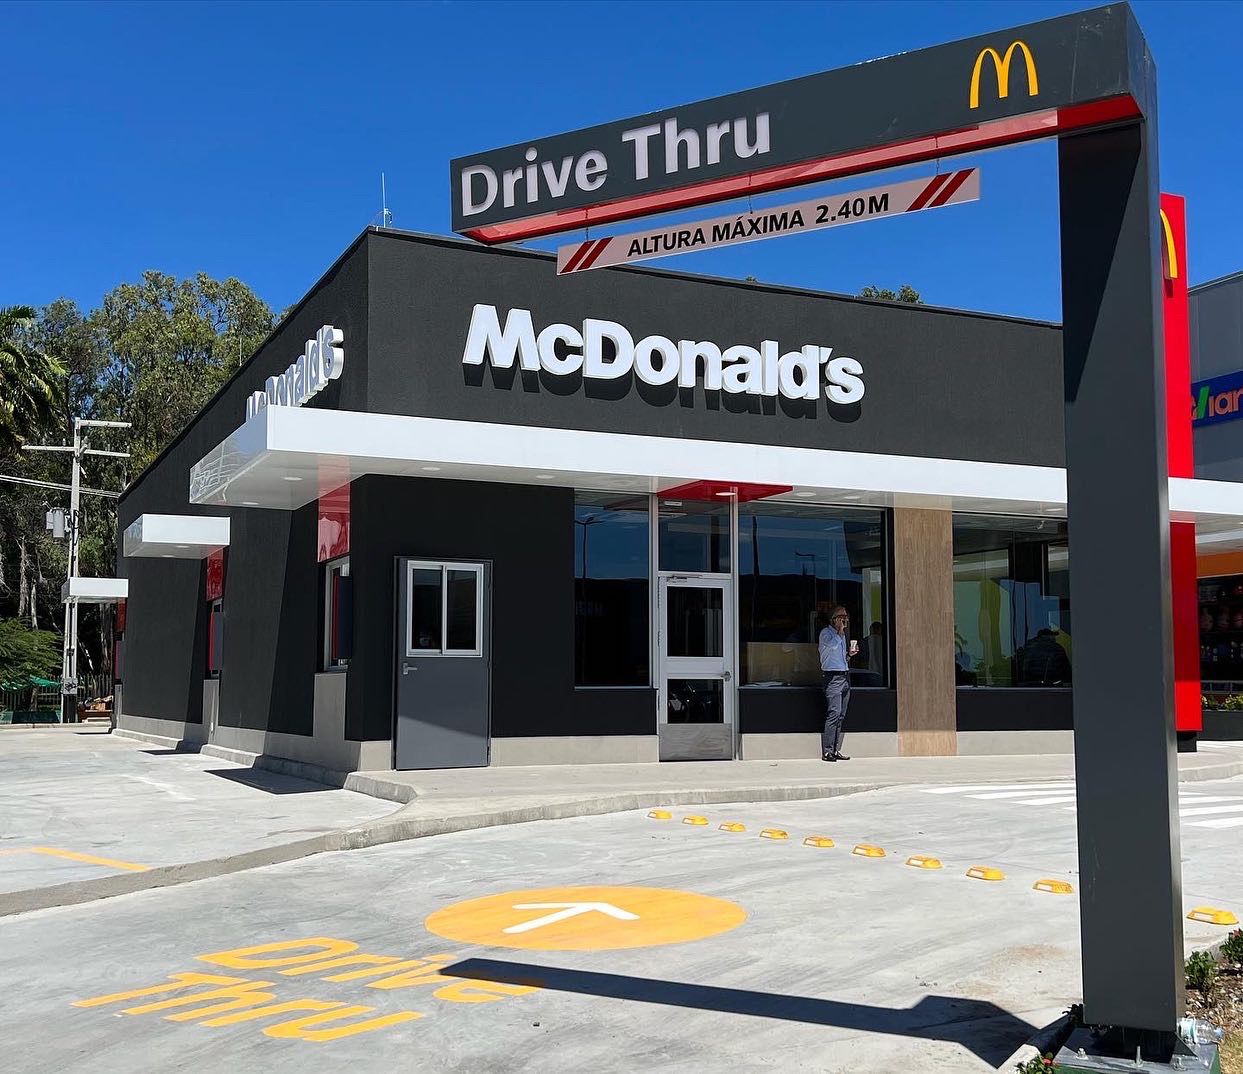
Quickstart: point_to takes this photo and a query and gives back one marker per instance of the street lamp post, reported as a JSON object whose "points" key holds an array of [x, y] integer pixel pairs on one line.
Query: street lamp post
{"points": [[69, 658]]}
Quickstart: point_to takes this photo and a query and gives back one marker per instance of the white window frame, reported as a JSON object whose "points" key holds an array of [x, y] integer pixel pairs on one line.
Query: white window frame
{"points": [[214, 608], [327, 662], [444, 567]]}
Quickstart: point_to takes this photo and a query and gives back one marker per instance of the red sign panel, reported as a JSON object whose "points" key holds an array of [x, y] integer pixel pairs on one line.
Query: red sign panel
{"points": [[334, 524], [215, 575]]}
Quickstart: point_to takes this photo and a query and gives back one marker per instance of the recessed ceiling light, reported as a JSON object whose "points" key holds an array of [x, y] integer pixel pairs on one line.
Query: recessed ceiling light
{"points": [[290, 477], [183, 546], [805, 495], [431, 469], [545, 477], [167, 555], [250, 503], [725, 494]]}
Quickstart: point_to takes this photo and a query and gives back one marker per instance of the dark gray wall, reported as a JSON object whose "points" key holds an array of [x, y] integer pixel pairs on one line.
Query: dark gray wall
{"points": [[1216, 348], [939, 383], [271, 583], [527, 534]]}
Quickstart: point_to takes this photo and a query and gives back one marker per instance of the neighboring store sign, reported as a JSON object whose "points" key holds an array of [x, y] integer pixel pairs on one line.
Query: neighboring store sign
{"points": [[1065, 73], [829, 210], [1217, 399], [563, 350], [320, 362]]}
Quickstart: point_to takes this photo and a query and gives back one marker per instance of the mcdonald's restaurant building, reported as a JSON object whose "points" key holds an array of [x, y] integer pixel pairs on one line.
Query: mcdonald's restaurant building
{"points": [[460, 511]]}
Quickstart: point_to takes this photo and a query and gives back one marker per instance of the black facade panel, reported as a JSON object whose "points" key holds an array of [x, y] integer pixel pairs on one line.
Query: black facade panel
{"points": [[266, 585], [629, 710], [982, 709], [770, 710], [939, 383], [165, 654], [271, 626], [527, 534]]}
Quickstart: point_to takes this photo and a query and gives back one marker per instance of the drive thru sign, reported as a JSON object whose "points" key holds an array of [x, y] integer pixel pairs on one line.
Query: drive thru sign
{"points": [[828, 210]]}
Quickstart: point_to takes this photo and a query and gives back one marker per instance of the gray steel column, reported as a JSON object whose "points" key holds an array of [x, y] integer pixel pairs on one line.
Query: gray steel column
{"points": [[1126, 771]]}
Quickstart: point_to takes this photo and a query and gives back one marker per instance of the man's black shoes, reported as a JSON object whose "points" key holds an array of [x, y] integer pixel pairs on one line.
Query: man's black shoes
{"points": [[840, 757], [829, 757]]}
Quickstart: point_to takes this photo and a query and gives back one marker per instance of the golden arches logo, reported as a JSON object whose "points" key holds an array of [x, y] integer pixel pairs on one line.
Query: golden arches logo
{"points": [[1001, 64], [1171, 252]]}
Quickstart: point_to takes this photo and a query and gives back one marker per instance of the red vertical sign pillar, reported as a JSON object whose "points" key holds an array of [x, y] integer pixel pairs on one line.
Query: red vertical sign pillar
{"points": [[1184, 585]]}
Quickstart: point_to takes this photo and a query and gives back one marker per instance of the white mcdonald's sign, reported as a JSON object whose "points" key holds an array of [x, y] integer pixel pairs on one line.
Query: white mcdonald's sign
{"points": [[828, 210]]}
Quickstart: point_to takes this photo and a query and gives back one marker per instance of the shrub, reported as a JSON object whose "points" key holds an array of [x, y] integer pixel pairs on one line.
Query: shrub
{"points": [[1038, 1064], [1201, 972], [1232, 947]]}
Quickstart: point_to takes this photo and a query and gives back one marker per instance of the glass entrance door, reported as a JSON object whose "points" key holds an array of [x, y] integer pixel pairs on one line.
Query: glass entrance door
{"points": [[695, 633]]}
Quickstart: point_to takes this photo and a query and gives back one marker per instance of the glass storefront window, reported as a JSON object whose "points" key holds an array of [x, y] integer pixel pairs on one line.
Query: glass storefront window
{"points": [[796, 563], [1221, 633], [694, 536], [611, 612], [1011, 602]]}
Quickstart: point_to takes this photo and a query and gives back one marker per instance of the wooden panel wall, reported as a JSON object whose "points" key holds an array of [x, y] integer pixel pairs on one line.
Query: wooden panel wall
{"points": [[924, 632]]}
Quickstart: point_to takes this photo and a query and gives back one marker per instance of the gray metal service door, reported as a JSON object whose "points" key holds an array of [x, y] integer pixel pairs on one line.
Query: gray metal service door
{"points": [[443, 664]]}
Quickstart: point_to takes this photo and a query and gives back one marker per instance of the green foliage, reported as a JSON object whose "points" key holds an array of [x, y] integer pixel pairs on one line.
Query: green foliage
{"points": [[905, 293], [25, 653], [31, 382], [1232, 947], [1038, 1064], [1222, 703], [1201, 970]]}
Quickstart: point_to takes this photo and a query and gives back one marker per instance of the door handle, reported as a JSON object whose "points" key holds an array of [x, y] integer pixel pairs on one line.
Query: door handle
{"points": [[727, 676], [407, 668]]}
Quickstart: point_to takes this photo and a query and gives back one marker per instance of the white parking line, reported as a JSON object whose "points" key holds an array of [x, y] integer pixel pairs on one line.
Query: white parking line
{"points": [[1031, 788], [1220, 822], [1213, 809]]}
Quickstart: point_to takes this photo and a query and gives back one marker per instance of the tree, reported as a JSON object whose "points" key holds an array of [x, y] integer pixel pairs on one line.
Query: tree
{"points": [[27, 654], [905, 293], [31, 382]]}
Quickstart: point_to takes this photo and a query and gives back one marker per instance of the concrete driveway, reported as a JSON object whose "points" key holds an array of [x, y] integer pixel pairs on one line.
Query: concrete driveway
{"points": [[601, 943]]}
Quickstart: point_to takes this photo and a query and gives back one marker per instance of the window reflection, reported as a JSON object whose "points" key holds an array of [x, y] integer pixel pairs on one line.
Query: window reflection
{"points": [[1011, 602], [694, 536], [611, 543], [796, 562]]}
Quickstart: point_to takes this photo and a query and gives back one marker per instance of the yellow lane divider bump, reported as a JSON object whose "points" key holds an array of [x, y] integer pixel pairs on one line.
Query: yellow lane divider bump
{"points": [[818, 841], [733, 826], [1056, 887], [660, 814], [922, 861], [774, 833], [1213, 916], [694, 820], [868, 850], [985, 872]]}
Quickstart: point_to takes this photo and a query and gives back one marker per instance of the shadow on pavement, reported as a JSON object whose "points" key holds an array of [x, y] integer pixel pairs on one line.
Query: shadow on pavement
{"points": [[942, 1018], [271, 782], [161, 753]]}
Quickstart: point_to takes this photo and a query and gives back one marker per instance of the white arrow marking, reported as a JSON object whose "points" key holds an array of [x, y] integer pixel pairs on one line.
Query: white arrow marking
{"points": [[566, 910]]}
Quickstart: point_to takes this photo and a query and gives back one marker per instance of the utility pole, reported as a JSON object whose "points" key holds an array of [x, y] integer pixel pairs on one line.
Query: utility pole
{"points": [[69, 663]]}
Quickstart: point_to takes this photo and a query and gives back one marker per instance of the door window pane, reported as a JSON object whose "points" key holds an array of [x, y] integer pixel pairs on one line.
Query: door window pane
{"points": [[338, 614], [696, 701], [425, 608], [462, 589], [611, 613], [796, 563], [695, 621], [694, 536], [1011, 602]]}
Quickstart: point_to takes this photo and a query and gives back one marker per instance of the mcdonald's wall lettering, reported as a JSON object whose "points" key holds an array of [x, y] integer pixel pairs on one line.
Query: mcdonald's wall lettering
{"points": [[1065, 73]]}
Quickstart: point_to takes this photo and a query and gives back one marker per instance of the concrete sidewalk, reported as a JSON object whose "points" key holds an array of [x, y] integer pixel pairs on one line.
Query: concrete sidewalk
{"points": [[454, 800]]}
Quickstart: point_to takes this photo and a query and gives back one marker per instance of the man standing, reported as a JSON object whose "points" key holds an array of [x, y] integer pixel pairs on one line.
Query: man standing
{"points": [[834, 653]]}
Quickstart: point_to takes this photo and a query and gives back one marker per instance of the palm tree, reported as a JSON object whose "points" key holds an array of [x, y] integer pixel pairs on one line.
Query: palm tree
{"points": [[31, 382]]}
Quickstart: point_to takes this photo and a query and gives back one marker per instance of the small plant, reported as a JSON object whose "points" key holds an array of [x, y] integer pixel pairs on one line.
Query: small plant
{"points": [[1201, 970], [1232, 947], [1038, 1064]]}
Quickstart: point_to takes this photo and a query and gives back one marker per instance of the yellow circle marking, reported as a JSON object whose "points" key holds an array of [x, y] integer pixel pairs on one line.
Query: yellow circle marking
{"points": [[586, 918], [695, 820], [774, 833], [1056, 887], [923, 861], [660, 814], [1213, 916], [868, 850], [818, 841], [733, 826], [985, 872]]}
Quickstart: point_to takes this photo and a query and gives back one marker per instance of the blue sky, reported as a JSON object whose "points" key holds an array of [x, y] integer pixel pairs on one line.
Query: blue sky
{"points": [[248, 139]]}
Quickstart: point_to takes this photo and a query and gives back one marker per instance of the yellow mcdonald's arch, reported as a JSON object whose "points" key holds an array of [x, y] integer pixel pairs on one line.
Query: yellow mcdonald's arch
{"points": [[1001, 64], [1171, 255]]}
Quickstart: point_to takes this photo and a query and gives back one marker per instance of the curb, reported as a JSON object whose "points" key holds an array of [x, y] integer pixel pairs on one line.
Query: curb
{"points": [[401, 826], [1048, 1039]]}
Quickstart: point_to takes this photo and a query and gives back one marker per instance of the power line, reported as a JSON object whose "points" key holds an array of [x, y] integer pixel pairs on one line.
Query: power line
{"points": [[57, 485]]}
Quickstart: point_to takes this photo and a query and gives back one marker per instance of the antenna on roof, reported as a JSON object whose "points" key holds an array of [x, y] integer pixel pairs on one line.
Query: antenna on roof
{"points": [[386, 214]]}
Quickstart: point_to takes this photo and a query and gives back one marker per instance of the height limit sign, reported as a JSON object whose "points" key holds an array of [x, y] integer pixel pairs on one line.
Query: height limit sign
{"points": [[829, 210]]}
